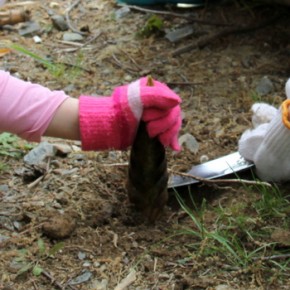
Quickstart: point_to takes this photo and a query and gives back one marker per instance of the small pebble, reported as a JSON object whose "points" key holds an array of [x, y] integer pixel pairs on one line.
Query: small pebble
{"points": [[37, 39], [71, 36]]}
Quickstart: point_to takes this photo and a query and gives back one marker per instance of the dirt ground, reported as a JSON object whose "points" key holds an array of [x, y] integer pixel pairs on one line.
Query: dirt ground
{"points": [[74, 228]]}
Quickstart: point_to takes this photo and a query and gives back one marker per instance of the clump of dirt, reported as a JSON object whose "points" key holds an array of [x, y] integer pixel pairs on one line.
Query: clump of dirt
{"points": [[82, 198]]}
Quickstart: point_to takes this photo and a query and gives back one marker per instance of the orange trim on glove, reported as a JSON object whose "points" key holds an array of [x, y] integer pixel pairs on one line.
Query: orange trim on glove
{"points": [[286, 113]]}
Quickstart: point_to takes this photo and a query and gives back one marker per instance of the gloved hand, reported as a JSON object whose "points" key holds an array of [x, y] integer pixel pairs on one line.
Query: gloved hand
{"points": [[268, 145], [112, 122], [252, 138]]}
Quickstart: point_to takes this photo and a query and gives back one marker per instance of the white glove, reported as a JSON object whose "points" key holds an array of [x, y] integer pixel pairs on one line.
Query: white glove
{"points": [[252, 138], [268, 145]]}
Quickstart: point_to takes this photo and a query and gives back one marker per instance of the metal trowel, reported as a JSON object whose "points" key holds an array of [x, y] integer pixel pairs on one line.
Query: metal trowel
{"points": [[221, 167]]}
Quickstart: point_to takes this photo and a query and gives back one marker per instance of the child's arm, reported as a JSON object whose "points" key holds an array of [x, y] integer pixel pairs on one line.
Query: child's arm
{"points": [[65, 121], [31, 111], [27, 109]]}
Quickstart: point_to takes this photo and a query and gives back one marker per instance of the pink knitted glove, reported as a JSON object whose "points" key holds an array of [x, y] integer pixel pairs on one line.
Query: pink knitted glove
{"points": [[112, 122]]}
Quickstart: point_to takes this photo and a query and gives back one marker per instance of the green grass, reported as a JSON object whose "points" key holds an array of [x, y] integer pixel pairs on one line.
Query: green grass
{"points": [[56, 69], [241, 231], [272, 203], [3, 167]]}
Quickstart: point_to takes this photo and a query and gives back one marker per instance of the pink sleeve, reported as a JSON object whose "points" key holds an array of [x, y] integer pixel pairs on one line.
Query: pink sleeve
{"points": [[26, 109]]}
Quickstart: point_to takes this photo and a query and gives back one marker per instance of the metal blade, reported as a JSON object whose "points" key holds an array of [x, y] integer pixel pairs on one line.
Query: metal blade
{"points": [[220, 167]]}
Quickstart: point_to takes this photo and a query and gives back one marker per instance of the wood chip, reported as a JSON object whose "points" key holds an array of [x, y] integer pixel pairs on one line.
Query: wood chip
{"points": [[126, 281]]}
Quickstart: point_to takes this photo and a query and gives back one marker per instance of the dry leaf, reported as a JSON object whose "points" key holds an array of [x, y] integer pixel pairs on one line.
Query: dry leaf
{"points": [[4, 51]]}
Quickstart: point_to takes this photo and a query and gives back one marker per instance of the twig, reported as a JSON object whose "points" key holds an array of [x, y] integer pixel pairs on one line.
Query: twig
{"points": [[185, 16], [274, 257], [70, 43], [132, 59], [127, 281], [24, 3], [53, 281], [227, 31], [184, 84], [35, 182], [77, 44], [116, 61], [116, 164], [67, 18], [206, 180]]}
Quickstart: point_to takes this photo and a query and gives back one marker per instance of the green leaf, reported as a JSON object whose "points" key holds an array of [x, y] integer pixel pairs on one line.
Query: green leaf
{"points": [[41, 246], [37, 270], [24, 269], [57, 247], [32, 55], [11, 145]]}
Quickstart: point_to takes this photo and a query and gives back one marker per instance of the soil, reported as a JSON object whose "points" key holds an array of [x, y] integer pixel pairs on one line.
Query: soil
{"points": [[75, 222]]}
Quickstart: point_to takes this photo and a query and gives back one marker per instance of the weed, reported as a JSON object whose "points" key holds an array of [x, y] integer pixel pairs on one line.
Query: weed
{"points": [[256, 98], [29, 262], [207, 239], [272, 203], [3, 167], [57, 70], [232, 232], [153, 25], [13, 146]]}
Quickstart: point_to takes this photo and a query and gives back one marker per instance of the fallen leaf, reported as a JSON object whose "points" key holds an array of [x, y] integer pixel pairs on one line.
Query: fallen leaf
{"points": [[4, 51]]}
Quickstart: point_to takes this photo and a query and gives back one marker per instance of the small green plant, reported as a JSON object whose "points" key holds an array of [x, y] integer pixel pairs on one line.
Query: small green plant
{"points": [[256, 97], [13, 146], [3, 167], [153, 25], [272, 203], [56, 69], [29, 262]]}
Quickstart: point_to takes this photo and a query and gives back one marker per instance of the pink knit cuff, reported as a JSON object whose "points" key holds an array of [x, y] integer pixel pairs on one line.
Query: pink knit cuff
{"points": [[102, 125]]}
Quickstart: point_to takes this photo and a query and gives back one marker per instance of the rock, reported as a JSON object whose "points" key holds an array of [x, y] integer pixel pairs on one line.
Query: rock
{"points": [[223, 287], [37, 39], [71, 36], [99, 285], [203, 159], [53, 5], [84, 277], [82, 255], [265, 86], [122, 12], [190, 142], [59, 22], [62, 149], [69, 88], [6, 223], [178, 34], [4, 188], [29, 28], [39, 155], [3, 238]]}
